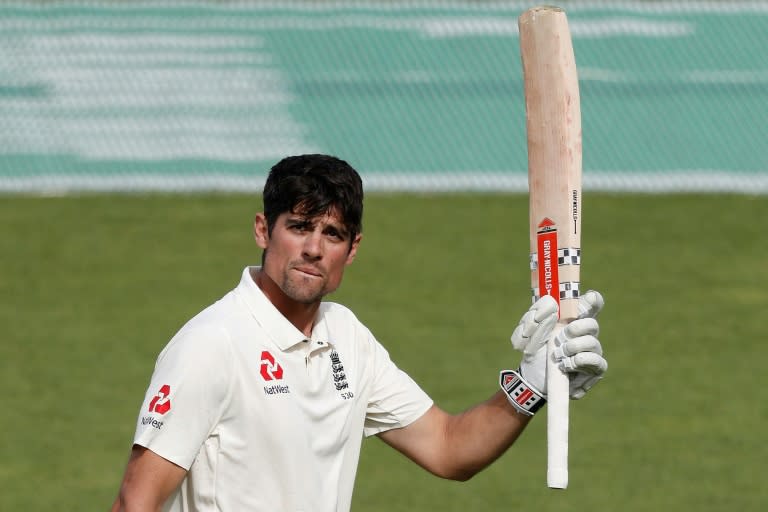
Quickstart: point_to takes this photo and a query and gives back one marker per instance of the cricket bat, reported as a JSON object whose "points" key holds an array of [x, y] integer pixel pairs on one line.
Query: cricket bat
{"points": [[553, 123]]}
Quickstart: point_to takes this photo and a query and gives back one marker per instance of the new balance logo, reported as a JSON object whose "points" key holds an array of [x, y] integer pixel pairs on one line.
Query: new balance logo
{"points": [[270, 369]]}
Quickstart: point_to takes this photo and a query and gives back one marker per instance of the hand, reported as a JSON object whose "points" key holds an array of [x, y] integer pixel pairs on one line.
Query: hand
{"points": [[578, 350]]}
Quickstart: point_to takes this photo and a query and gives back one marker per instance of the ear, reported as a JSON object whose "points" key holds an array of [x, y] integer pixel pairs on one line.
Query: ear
{"points": [[261, 231], [353, 248]]}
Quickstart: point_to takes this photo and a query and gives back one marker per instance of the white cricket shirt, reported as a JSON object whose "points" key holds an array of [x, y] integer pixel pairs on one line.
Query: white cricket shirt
{"points": [[264, 419]]}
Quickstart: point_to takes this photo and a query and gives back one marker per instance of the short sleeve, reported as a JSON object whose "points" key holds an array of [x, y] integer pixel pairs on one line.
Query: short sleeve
{"points": [[189, 388], [396, 400]]}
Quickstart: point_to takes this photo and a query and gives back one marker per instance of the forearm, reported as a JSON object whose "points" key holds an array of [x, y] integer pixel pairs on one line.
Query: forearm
{"points": [[134, 500], [481, 434], [458, 446], [136, 504]]}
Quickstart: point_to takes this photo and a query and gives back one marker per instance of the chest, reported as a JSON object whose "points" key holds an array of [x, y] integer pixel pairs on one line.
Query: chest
{"points": [[313, 394]]}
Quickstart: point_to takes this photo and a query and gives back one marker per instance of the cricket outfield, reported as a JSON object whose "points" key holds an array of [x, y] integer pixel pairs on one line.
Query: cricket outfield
{"points": [[93, 286]]}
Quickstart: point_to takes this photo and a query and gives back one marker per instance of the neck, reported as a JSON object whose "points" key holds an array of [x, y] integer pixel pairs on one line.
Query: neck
{"points": [[301, 315]]}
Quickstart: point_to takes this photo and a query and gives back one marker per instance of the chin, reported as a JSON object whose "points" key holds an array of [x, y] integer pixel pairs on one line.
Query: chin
{"points": [[299, 293]]}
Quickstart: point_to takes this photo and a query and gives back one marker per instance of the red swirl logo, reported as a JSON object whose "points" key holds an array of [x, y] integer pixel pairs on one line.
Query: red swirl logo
{"points": [[161, 403], [270, 369]]}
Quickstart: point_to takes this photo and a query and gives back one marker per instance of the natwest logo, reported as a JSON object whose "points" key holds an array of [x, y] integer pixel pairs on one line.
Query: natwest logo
{"points": [[270, 369], [161, 403]]}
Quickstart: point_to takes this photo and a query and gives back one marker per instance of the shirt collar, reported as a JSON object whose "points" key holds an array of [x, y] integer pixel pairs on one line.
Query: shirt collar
{"points": [[282, 332]]}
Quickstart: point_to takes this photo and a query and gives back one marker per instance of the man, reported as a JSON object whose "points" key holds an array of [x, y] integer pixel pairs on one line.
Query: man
{"points": [[261, 401]]}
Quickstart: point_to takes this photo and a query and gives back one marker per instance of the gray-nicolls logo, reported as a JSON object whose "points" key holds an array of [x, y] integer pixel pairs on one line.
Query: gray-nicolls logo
{"points": [[339, 377]]}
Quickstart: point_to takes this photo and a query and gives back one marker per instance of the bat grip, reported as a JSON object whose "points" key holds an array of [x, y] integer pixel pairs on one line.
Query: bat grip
{"points": [[557, 418]]}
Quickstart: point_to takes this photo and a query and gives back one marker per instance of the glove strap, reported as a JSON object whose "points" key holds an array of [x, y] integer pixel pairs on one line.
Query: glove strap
{"points": [[522, 396]]}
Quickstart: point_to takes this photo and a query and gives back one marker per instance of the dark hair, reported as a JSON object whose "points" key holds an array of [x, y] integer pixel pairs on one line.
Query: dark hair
{"points": [[313, 185]]}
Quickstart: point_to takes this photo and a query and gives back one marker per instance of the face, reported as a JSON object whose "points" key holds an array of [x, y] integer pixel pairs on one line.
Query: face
{"points": [[305, 257]]}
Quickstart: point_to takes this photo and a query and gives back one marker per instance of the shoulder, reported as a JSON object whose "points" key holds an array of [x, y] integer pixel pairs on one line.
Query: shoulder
{"points": [[339, 312], [341, 321], [217, 321], [205, 337], [347, 331]]}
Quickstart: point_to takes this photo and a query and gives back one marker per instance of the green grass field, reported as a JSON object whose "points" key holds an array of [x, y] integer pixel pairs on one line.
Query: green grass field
{"points": [[92, 287]]}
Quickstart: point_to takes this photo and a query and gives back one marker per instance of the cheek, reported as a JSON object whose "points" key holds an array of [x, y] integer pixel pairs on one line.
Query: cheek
{"points": [[283, 244], [277, 255], [338, 263]]}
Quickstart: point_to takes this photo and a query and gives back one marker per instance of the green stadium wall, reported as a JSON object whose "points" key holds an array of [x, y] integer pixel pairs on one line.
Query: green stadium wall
{"points": [[419, 96]]}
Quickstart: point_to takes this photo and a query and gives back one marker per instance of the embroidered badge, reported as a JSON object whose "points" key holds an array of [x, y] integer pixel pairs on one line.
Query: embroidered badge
{"points": [[339, 377]]}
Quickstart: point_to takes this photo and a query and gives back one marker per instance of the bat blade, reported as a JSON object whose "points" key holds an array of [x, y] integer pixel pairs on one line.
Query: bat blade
{"points": [[553, 124]]}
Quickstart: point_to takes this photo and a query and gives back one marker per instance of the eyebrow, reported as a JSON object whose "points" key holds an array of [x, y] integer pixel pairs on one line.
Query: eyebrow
{"points": [[300, 220]]}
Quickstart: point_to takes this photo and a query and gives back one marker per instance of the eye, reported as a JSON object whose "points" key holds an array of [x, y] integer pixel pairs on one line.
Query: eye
{"points": [[335, 234], [300, 226]]}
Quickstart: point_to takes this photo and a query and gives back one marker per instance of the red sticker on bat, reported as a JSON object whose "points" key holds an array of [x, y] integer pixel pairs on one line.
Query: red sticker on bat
{"points": [[546, 242]]}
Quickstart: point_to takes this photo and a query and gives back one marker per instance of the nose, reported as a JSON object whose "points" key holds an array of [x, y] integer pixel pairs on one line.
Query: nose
{"points": [[313, 247]]}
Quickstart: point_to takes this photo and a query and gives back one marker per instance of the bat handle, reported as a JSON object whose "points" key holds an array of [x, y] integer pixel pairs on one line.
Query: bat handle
{"points": [[557, 419]]}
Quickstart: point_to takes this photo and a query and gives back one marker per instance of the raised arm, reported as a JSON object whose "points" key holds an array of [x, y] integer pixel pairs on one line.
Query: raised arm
{"points": [[459, 446], [148, 482]]}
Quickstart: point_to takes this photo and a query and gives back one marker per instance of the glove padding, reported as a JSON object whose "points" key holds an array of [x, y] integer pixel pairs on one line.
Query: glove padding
{"points": [[578, 351]]}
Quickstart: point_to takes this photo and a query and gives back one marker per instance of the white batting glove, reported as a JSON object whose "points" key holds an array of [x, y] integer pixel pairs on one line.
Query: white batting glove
{"points": [[578, 350]]}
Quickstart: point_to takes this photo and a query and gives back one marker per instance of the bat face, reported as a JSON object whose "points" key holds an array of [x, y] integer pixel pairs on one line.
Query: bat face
{"points": [[553, 122]]}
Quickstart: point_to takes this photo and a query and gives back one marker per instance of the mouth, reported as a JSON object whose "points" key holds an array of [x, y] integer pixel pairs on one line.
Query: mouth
{"points": [[310, 271]]}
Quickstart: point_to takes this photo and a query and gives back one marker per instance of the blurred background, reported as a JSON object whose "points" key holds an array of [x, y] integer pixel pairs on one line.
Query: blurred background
{"points": [[420, 95], [134, 141]]}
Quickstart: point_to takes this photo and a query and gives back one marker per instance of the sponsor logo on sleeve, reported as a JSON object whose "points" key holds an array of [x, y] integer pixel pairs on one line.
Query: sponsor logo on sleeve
{"points": [[160, 404]]}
